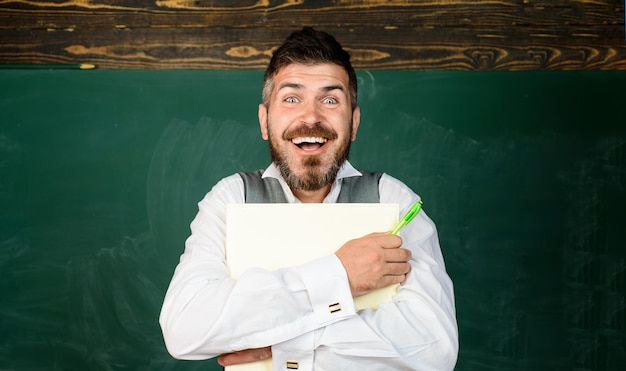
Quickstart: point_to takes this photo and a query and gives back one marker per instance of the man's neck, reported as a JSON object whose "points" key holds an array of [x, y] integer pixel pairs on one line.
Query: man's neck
{"points": [[309, 197]]}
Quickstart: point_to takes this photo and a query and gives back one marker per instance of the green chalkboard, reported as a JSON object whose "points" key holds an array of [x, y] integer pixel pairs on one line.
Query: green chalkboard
{"points": [[523, 172]]}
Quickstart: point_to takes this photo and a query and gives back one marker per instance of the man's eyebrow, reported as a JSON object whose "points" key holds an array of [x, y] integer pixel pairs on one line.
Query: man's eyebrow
{"points": [[325, 89], [292, 85], [332, 87]]}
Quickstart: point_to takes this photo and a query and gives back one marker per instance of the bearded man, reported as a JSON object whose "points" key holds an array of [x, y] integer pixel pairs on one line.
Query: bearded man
{"points": [[309, 116]]}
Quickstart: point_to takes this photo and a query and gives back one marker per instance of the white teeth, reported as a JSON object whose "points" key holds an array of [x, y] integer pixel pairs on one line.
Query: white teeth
{"points": [[308, 140]]}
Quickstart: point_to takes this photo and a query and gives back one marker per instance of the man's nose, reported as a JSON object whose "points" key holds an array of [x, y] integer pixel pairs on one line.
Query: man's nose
{"points": [[311, 114]]}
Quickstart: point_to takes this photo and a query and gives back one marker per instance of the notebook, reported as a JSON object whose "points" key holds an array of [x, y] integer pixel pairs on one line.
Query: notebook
{"points": [[273, 236]]}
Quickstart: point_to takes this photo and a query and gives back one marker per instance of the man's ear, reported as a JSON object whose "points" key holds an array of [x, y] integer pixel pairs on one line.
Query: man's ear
{"points": [[263, 121], [356, 120]]}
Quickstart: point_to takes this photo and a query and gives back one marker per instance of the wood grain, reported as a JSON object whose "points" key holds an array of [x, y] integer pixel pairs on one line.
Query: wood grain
{"points": [[444, 34]]}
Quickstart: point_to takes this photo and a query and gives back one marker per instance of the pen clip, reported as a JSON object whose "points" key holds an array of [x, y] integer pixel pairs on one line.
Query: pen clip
{"points": [[413, 211]]}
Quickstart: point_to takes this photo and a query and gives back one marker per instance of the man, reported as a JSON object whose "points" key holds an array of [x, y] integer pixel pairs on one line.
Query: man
{"points": [[309, 116]]}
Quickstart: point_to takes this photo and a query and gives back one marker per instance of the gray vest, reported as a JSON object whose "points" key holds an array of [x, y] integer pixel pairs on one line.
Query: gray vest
{"points": [[356, 189]]}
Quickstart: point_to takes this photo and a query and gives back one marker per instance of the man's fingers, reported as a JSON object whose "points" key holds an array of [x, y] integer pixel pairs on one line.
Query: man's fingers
{"points": [[374, 261], [397, 255], [398, 269], [392, 280], [245, 356], [389, 241]]}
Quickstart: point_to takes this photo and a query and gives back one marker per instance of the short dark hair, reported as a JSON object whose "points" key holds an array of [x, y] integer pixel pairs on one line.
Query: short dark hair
{"points": [[309, 46]]}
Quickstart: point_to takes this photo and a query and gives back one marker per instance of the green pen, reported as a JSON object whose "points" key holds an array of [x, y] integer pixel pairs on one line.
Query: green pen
{"points": [[414, 210]]}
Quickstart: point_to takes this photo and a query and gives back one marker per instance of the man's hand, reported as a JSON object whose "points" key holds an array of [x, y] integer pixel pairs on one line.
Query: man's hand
{"points": [[244, 356], [374, 261]]}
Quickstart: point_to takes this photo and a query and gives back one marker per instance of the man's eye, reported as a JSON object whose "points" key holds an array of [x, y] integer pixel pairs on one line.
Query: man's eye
{"points": [[291, 100], [330, 100]]}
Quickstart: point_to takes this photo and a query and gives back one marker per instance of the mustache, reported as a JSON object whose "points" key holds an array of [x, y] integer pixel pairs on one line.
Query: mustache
{"points": [[316, 130]]}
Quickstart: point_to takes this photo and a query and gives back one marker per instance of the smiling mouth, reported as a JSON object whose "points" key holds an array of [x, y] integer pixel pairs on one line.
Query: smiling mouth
{"points": [[309, 143]]}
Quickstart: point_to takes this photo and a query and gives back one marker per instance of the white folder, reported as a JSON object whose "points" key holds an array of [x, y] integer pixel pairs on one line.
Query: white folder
{"points": [[273, 236]]}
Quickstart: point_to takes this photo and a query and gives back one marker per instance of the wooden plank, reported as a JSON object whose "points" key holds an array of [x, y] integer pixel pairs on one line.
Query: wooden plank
{"points": [[469, 48], [224, 34], [76, 14]]}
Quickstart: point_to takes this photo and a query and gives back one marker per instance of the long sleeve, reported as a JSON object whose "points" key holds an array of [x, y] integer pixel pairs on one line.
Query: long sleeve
{"points": [[417, 330], [206, 313]]}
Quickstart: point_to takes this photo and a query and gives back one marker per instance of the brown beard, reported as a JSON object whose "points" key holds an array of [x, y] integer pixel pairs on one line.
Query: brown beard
{"points": [[315, 177]]}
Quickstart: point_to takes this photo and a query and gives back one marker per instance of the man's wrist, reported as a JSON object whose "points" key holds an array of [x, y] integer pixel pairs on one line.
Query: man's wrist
{"points": [[327, 284]]}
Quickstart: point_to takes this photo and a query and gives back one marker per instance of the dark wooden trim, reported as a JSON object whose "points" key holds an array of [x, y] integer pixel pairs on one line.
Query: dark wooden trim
{"points": [[249, 14], [459, 35]]}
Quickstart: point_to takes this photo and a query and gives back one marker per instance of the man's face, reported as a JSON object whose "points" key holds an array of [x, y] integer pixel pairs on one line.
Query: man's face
{"points": [[309, 123]]}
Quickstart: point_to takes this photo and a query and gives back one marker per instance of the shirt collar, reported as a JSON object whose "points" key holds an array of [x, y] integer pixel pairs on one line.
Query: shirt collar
{"points": [[346, 171]]}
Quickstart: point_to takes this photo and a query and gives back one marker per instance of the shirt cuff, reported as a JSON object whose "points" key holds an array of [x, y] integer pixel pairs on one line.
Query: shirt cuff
{"points": [[327, 284], [294, 354]]}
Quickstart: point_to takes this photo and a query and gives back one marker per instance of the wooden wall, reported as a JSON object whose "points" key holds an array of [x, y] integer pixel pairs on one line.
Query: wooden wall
{"points": [[224, 34]]}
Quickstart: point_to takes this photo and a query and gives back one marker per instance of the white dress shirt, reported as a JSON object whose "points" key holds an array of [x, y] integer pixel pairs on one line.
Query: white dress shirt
{"points": [[206, 313]]}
